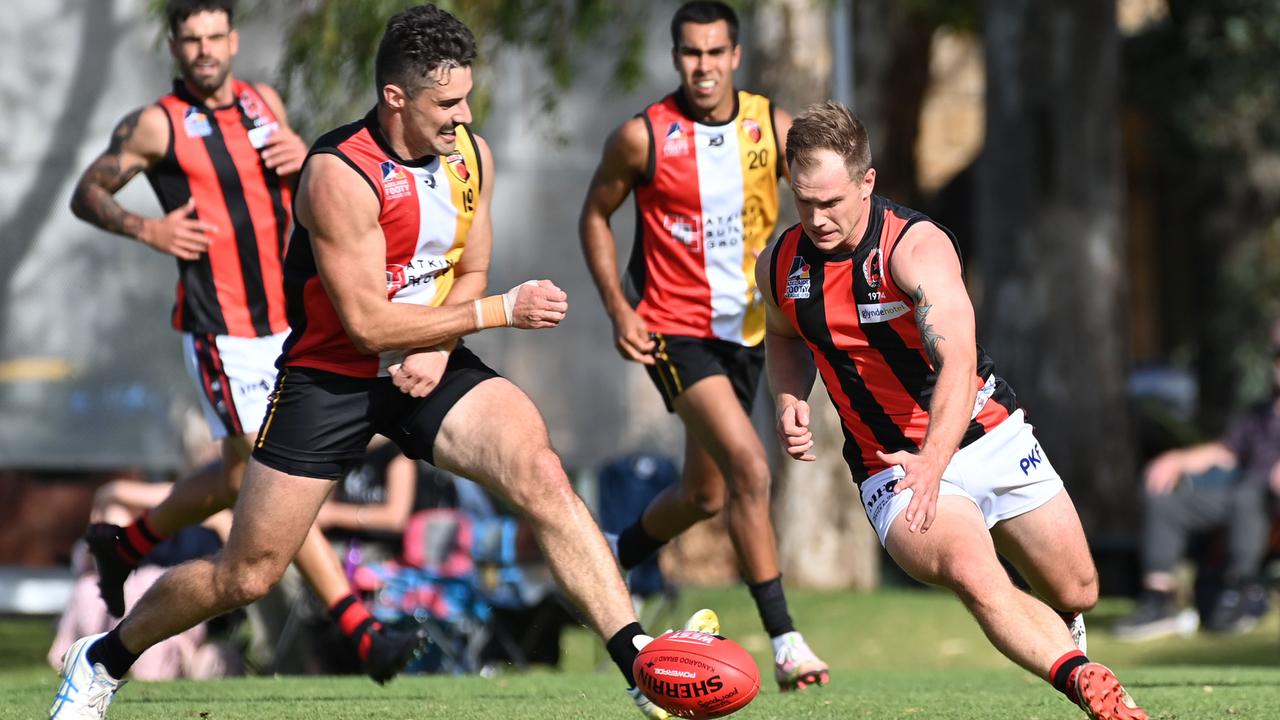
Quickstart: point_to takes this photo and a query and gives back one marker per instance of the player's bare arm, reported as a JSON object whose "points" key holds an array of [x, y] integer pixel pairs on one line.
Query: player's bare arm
{"points": [[341, 212], [790, 367], [626, 155], [781, 125], [925, 264], [421, 370], [139, 141], [284, 151]]}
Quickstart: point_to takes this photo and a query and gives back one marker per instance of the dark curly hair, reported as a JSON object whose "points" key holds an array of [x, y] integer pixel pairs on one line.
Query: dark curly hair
{"points": [[177, 11], [418, 42]]}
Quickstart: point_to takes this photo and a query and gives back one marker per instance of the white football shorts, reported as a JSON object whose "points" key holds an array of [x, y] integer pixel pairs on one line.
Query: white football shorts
{"points": [[234, 377], [1005, 473]]}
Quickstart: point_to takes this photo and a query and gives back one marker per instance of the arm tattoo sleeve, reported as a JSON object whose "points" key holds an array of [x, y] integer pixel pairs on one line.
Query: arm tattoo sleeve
{"points": [[928, 335], [94, 199]]}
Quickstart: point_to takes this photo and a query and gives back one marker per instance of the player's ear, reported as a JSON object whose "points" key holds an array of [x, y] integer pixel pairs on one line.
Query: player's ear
{"points": [[394, 96], [736, 56], [233, 41]]}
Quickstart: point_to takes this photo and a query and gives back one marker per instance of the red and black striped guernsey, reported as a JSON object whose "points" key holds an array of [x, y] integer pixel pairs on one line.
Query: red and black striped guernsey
{"points": [[862, 332], [236, 288]]}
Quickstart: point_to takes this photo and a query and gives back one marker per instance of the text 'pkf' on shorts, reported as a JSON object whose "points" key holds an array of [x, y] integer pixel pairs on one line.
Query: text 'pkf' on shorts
{"points": [[319, 422], [680, 361], [1005, 473]]}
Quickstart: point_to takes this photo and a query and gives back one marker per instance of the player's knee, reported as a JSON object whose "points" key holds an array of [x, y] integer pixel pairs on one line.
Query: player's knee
{"points": [[705, 502], [749, 479], [971, 580], [544, 487], [1078, 595], [241, 584]]}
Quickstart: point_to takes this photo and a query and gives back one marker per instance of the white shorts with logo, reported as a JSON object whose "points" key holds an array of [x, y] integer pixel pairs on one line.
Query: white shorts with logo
{"points": [[234, 377], [1005, 473]]}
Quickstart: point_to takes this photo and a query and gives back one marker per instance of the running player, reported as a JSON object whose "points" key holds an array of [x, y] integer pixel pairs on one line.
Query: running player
{"points": [[703, 164], [390, 254], [221, 158], [870, 294]]}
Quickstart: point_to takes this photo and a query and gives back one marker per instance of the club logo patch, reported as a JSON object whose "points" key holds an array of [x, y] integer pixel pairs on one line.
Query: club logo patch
{"points": [[797, 280], [752, 129], [458, 166], [871, 269]]}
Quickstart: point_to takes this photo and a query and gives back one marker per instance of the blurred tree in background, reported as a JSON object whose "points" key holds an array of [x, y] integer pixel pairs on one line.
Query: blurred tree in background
{"points": [[1210, 129]]}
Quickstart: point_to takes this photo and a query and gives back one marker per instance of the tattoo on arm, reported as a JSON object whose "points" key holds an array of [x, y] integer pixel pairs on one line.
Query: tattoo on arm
{"points": [[928, 335], [94, 199]]}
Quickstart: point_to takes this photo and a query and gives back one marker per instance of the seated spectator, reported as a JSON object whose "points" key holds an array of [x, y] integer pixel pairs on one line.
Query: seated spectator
{"points": [[1220, 485], [192, 654]]}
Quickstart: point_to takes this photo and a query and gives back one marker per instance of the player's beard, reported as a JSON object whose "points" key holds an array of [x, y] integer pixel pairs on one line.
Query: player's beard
{"points": [[208, 84]]}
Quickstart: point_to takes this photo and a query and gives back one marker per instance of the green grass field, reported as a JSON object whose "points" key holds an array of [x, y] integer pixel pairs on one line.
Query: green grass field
{"points": [[896, 654]]}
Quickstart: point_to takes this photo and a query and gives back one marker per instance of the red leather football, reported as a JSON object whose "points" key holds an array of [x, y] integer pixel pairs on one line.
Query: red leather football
{"points": [[695, 675]]}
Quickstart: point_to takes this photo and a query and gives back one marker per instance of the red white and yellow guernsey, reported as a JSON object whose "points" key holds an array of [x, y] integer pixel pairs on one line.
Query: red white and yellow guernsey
{"points": [[706, 208], [427, 209]]}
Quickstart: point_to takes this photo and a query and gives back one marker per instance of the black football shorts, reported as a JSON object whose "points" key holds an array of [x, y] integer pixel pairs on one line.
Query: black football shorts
{"points": [[318, 422], [680, 361]]}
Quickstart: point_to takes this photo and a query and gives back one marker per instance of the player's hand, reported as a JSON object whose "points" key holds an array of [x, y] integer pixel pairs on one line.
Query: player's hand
{"points": [[632, 338], [537, 305], [284, 152], [793, 430], [1163, 474], [420, 371], [923, 476], [177, 233]]}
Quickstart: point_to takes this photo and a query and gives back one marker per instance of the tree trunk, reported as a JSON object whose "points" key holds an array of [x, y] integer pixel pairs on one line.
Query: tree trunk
{"points": [[1051, 276], [824, 539]]}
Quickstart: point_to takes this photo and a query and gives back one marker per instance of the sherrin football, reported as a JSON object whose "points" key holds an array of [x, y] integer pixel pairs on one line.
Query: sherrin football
{"points": [[696, 675]]}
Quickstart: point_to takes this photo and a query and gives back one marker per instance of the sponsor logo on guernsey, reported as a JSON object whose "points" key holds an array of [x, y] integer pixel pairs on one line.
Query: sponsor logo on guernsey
{"points": [[250, 107], [676, 143], [196, 123], [716, 140], [260, 134], [752, 129], [458, 165], [871, 269], [418, 272], [882, 312], [395, 181], [797, 280], [984, 394], [684, 229]]}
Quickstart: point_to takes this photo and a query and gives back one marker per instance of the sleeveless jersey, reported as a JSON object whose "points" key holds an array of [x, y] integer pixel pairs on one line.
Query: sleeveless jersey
{"points": [[705, 208], [862, 332], [234, 288], [427, 209]]}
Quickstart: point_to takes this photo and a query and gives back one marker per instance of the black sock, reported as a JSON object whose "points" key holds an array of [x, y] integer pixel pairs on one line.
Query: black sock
{"points": [[112, 654], [1064, 669], [635, 546], [771, 602], [623, 650]]}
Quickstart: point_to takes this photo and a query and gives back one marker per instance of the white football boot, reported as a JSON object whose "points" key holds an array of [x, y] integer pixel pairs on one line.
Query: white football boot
{"points": [[87, 689]]}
